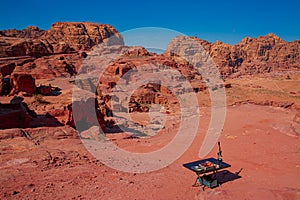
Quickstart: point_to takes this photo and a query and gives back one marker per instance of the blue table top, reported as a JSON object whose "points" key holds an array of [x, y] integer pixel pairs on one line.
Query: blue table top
{"points": [[194, 166]]}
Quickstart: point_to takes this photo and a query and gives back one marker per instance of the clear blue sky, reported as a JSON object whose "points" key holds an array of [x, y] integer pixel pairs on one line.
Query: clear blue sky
{"points": [[226, 20]]}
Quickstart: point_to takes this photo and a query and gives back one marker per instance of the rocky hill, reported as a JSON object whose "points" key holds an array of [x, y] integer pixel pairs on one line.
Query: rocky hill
{"points": [[62, 37], [264, 54], [53, 52]]}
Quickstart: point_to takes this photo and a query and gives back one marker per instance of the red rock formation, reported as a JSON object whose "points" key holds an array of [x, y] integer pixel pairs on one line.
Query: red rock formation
{"points": [[22, 83], [8, 64], [14, 116], [251, 56], [15, 47], [77, 36], [44, 89], [50, 66], [264, 54], [85, 115], [63, 37], [134, 59], [138, 51], [7, 69], [61, 115], [30, 32]]}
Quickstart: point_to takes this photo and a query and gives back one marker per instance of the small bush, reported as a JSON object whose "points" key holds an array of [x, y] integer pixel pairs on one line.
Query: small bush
{"points": [[40, 99]]}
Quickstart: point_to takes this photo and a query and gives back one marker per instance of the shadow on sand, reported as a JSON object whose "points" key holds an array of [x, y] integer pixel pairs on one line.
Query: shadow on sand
{"points": [[227, 176], [121, 129]]}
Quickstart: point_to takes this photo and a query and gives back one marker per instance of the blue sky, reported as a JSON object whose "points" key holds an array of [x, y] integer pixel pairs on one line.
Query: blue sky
{"points": [[228, 21]]}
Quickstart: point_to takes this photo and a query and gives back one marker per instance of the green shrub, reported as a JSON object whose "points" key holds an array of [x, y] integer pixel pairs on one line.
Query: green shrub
{"points": [[40, 99]]}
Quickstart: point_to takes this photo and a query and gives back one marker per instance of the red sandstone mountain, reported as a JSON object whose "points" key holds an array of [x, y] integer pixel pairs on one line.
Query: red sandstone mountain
{"points": [[250, 56], [253, 55], [59, 51], [34, 51], [62, 37]]}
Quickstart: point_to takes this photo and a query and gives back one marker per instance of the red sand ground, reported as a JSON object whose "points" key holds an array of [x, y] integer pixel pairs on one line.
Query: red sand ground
{"points": [[258, 139]]}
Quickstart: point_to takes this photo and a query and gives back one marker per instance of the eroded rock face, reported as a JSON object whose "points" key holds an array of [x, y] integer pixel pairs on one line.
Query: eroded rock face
{"points": [[85, 115], [63, 37], [7, 69], [22, 83], [16, 47], [62, 65], [29, 32], [264, 54], [14, 114], [130, 65], [77, 36]]}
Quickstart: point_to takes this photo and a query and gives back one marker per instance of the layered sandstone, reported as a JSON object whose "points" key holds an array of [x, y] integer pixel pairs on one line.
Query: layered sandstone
{"points": [[74, 36], [62, 37], [264, 54], [15, 114], [61, 50], [22, 83]]}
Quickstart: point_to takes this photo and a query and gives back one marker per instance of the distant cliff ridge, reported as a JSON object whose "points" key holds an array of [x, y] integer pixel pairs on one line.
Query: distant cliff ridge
{"points": [[62, 37], [251, 56]]}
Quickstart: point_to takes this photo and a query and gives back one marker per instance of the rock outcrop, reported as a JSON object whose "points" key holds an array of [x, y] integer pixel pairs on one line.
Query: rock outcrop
{"points": [[73, 36], [62, 65], [15, 114], [62, 37], [22, 83], [85, 115], [264, 54], [17, 47], [32, 32]]}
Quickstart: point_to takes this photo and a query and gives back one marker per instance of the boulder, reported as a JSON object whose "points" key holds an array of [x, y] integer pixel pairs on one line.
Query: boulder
{"points": [[14, 116], [44, 89], [22, 83], [85, 114]]}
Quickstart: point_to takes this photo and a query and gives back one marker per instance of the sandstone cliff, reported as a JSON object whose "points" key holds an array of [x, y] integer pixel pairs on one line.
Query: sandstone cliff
{"points": [[62, 37], [252, 55], [264, 54]]}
